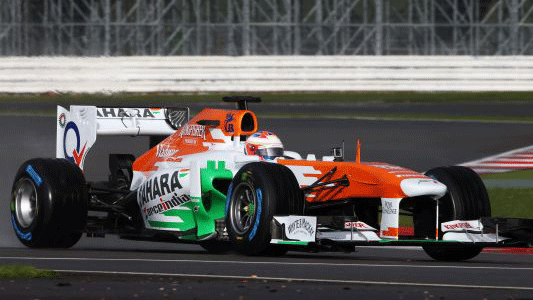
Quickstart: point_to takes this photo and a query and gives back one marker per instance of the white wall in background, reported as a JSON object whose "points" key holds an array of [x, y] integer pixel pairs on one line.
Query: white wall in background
{"points": [[264, 73]]}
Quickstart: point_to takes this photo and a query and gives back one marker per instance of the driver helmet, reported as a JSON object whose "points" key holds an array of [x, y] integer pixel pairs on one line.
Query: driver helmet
{"points": [[264, 144]]}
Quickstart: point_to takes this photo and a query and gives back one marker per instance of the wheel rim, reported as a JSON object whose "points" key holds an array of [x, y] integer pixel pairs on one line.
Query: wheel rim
{"points": [[26, 203], [244, 207]]}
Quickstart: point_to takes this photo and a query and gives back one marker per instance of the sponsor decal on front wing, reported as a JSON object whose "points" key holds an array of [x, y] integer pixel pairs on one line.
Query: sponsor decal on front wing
{"points": [[299, 228], [462, 226], [358, 226]]}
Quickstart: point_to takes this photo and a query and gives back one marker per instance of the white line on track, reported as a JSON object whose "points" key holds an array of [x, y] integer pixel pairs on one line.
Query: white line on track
{"points": [[373, 265], [307, 280]]}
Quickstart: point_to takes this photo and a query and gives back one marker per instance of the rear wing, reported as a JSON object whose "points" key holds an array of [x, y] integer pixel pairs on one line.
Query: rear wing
{"points": [[78, 127]]}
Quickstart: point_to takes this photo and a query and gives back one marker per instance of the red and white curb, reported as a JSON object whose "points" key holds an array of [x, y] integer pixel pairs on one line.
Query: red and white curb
{"points": [[513, 160]]}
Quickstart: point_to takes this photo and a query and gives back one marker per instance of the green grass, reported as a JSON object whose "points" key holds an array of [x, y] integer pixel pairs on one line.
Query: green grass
{"points": [[511, 202], [24, 272], [505, 202], [526, 174], [430, 97]]}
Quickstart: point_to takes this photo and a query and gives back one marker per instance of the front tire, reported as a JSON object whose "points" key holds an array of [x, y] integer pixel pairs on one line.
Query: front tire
{"points": [[466, 199], [49, 203], [258, 192]]}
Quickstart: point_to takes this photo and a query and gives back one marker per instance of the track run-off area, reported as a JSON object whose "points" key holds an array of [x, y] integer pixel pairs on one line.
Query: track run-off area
{"points": [[113, 268], [376, 272]]}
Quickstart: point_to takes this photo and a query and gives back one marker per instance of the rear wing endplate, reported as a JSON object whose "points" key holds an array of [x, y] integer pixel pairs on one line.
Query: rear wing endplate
{"points": [[78, 127]]}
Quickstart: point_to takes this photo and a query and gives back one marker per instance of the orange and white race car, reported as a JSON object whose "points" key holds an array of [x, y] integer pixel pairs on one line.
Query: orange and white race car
{"points": [[216, 180]]}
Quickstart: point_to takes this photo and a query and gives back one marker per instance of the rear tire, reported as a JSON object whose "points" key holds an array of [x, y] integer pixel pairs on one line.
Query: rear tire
{"points": [[466, 199], [49, 203], [259, 191]]}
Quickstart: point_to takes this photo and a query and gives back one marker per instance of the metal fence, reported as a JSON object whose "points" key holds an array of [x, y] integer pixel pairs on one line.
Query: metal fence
{"points": [[266, 27]]}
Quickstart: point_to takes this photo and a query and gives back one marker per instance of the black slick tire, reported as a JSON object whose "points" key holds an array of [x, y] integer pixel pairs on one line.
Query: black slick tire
{"points": [[48, 203], [257, 192], [466, 199]]}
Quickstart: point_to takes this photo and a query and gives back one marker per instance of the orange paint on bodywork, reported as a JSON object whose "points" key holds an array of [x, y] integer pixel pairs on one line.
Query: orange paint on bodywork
{"points": [[229, 120], [367, 180], [183, 143], [390, 232]]}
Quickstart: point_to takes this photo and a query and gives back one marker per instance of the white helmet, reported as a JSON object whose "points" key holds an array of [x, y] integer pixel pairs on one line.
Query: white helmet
{"points": [[265, 144]]}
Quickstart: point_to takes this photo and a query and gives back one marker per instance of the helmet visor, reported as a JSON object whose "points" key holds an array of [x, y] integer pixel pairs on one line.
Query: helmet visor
{"points": [[270, 152]]}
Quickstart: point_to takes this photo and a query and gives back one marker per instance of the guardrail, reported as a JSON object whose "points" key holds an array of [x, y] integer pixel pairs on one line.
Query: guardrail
{"points": [[265, 73]]}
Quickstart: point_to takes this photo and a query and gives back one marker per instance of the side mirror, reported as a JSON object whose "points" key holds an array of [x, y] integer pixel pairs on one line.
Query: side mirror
{"points": [[338, 153]]}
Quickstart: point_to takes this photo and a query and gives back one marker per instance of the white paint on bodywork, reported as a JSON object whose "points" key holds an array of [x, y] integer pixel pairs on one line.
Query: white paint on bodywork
{"points": [[390, 212], [292, 154], [298, 228], [462, 226], [217, 134], [194, 181], [347, 236], [469, 237], [80, 137], [414, 187], [299, 172]]}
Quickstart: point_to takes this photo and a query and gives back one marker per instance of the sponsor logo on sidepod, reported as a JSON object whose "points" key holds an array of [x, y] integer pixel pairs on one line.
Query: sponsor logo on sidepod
{"points": [[174, 202], [158, 186]]}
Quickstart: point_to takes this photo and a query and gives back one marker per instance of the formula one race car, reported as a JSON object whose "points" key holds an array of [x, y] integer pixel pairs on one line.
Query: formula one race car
{"points": [[217, 181]]}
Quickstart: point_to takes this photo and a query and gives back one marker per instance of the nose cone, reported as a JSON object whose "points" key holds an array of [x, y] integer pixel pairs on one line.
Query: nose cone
{"points": [[423, 187]]}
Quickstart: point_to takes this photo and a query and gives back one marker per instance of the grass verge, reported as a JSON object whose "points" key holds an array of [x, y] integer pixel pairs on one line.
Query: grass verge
{"points": [[24, 272], [525, 174], [511, 202], [505, 202], [429, 97]]}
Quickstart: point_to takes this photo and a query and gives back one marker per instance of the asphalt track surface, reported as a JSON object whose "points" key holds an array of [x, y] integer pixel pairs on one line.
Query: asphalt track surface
{"points": [[494, 109], [158, 270]]}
